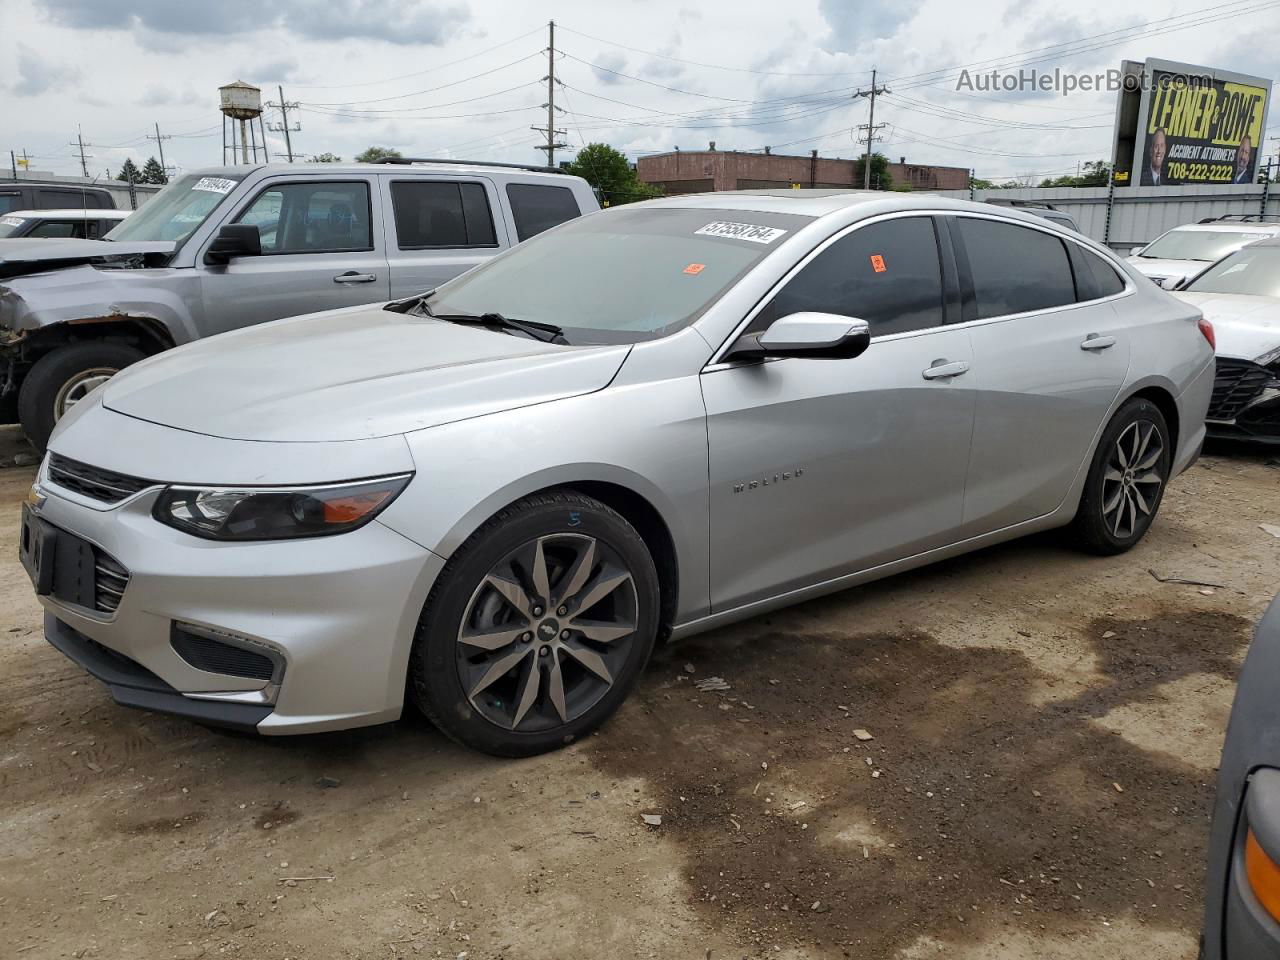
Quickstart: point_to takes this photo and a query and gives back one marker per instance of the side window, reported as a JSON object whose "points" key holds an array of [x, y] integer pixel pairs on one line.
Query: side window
{"points": [[314, 217], [59, 228], [55, 198], [1015, 269], [10, 201], [1107, 282], [441, 214], [888, 274], [536, 207]]}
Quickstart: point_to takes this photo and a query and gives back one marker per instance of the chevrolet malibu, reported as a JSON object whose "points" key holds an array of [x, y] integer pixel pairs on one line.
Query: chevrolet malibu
{"points": [[495, 498]]}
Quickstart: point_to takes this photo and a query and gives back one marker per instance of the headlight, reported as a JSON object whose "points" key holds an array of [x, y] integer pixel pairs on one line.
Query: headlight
{"points": [[276, 513], [1267, 359]]}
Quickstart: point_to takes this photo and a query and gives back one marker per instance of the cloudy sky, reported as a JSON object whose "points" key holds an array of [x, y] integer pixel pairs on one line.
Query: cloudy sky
{"points": [[467, 80]]}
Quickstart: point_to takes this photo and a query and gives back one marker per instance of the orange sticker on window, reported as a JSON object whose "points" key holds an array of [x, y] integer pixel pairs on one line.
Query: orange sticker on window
{"points": [[877, 263], [695, 268]]}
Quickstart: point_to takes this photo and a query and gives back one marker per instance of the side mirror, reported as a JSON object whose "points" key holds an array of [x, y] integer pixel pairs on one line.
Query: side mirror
{"points": [[1136, 251], [235, 240], [806, 335]]}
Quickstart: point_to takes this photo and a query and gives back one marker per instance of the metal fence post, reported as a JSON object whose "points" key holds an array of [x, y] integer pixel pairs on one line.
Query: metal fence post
{"points": [[1111, 194]]}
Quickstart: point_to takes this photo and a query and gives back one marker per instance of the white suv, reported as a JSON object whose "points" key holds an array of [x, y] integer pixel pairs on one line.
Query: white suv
{"points": [[1184, 251]]}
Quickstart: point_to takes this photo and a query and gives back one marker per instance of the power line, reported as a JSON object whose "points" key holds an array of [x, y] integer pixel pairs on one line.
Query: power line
{"points": [[443, 86]]}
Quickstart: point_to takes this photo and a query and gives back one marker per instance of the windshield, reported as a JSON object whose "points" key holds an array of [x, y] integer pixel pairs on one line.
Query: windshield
{"points": [[621, 276], [1254, 271], [11, 225], [176, 211], [1207, 245]]}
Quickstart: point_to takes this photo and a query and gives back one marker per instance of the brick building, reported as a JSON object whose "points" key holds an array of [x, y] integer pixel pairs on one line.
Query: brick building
{"points": [[704, 171]]}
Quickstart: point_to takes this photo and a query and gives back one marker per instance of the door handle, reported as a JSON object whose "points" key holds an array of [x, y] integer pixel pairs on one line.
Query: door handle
{"points": [[1095, 342], [945, 370], [352, 277]]}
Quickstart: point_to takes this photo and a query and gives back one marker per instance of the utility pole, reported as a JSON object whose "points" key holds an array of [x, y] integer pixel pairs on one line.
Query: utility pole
{"points": [[552, 145], [160, 143], [870, 126], [284, 106], [84, 157]]}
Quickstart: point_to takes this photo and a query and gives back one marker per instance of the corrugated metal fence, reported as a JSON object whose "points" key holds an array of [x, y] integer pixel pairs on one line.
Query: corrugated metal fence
{"points": [[1140, 214]]}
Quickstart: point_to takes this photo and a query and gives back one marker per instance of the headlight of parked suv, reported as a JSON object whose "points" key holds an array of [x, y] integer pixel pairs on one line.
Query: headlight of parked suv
{"points": [[276, 513]]}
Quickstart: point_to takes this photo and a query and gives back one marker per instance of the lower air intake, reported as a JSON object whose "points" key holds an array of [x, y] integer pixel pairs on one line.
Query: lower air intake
{"points": [[204, 650]]}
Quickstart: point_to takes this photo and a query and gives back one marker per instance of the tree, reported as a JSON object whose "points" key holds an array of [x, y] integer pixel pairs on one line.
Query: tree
{"points": [[129, 172], [1095, 173], [880, 178], [325, 158], [608, 171], [978, 184], [152, 172], [374, 154]]}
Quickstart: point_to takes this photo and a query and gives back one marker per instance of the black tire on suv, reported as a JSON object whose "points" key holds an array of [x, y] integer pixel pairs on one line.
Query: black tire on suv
{"points": [[538, 627], [61, 377]]}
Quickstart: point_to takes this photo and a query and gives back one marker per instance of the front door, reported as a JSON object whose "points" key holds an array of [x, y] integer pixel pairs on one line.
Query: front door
{"points": [[820, 468], [322, 248]]}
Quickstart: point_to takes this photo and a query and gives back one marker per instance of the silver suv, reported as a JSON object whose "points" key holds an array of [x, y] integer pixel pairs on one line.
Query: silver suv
{"points": [[227, 247]]}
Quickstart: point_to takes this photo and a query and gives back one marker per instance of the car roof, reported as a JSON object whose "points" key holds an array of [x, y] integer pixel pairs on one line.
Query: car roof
{"points": [[822, 203], [398, 169], [72, 213], [1237, 226]]}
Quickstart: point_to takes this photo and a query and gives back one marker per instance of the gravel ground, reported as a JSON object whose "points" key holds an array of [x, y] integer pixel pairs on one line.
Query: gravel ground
{"points": [[1044, 730]]}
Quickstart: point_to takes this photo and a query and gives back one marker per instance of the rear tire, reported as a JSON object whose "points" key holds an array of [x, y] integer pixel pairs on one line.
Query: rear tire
{"points": [[1126, 480], [538, 627], [60, 378]]}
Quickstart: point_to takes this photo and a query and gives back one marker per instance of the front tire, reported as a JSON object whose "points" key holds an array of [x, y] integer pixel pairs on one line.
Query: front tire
{"points": [[538, 627], [1126, 481], [63, 377]]}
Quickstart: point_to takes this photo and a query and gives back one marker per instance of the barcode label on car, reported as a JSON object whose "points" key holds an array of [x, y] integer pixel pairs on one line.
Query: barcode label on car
{"points": [[214, 185], [741, 231]]}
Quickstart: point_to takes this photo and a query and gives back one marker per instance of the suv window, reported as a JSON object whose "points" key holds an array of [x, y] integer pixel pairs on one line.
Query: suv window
{"points": [[59, 228], [1106, 281], [537, 207], [312, 217], [441, 214], [888, 274], [10, 201], [1014, 269]]}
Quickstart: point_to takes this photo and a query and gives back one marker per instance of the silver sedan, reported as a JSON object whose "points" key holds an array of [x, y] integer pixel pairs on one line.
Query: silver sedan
{"points": [[495, 498]]}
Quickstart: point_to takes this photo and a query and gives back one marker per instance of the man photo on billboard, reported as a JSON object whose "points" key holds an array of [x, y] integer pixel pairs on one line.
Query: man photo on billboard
{"points": [[1157, 149], [1244, 160]]}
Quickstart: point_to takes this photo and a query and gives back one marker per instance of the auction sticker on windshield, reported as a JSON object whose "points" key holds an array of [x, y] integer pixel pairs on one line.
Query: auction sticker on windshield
{"points": [[214, 184], [753, 232], [11, 221]]}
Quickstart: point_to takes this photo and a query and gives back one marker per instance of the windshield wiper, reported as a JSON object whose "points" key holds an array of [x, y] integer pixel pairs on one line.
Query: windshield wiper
{"points": [[546, 332]]}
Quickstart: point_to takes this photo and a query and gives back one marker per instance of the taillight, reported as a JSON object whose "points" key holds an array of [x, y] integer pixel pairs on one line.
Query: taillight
{"points": [[1206, 328]]}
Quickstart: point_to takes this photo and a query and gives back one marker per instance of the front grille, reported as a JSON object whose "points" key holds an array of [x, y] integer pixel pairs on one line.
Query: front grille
{"points": [[204, 651], [1237, 384], [109, 582], [105, 486]]}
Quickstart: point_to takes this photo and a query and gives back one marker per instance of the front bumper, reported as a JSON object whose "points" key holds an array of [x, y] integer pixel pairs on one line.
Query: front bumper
{"points": [[338, 612]]}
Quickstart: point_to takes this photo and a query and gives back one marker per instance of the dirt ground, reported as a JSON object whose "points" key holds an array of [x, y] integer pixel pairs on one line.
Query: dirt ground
{"points": [[1044, 725]]}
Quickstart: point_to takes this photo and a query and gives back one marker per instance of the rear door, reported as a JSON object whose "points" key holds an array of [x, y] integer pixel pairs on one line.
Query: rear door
{"points": [[1051, 354], [322, 248], [438, 228]]}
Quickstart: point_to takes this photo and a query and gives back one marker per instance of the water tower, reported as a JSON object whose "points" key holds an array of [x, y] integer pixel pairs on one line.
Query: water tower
{"points": [[242, 102]]}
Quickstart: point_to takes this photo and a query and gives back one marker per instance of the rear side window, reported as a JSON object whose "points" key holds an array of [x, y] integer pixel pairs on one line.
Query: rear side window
{"points": [[10, 201], [441, 214], [59, 228], [1014, 269], [312, 217], [1106, 281], [537, 207], [887, 274]]}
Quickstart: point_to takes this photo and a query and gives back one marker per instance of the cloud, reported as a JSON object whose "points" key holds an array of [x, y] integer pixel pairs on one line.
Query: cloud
{"points": [[609, 61], [36, 75], [161, 96], [275, 71], [413, 22], [853, 24]]}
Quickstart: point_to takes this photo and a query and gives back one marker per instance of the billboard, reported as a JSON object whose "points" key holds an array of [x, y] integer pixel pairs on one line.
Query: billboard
{"points": [[1181, 124]]}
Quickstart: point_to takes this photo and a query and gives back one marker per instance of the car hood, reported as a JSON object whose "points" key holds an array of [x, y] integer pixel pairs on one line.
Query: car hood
{"points": [[1245, 326], [352, 374], [32, 255], [1166, 268]]}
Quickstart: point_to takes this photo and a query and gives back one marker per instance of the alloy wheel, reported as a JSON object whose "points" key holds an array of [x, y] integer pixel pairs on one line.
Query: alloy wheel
{"points": [[546, 632], [1132, 481], [76, 388]]}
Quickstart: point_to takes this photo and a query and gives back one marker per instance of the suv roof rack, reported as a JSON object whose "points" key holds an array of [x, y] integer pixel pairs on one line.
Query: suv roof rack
{"points": [[469, 163], [1242, 218], [1036, 204]]}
